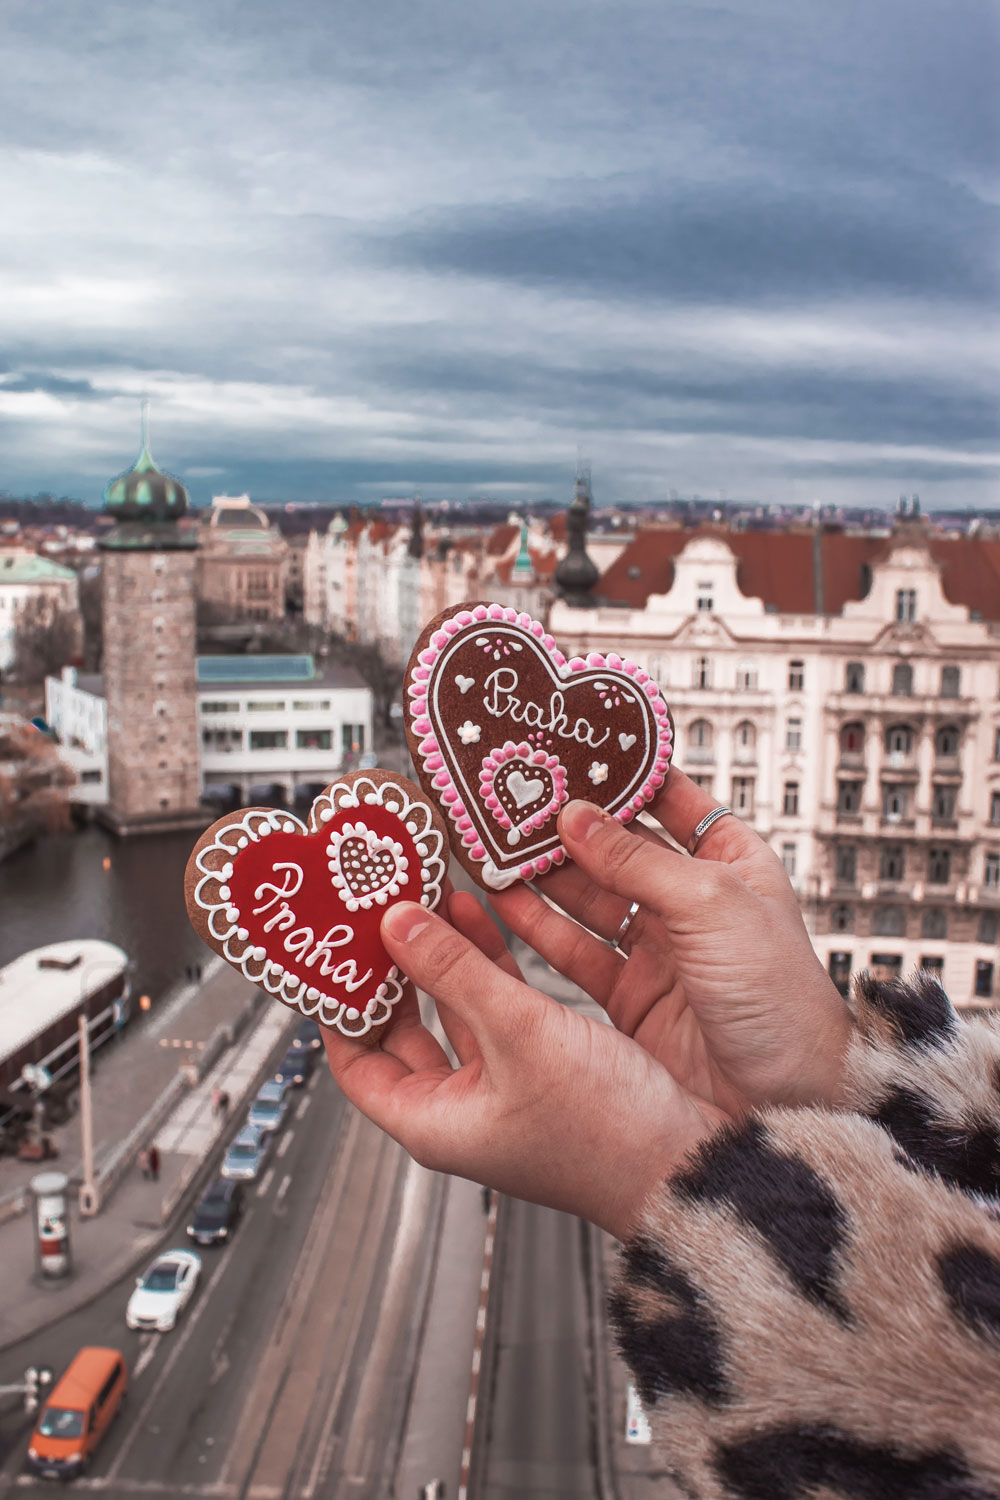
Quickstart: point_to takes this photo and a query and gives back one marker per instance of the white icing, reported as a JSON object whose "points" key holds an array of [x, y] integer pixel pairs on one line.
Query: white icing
{"points": [[524, 791], [626, 741], [498, 880], [372, 876], [502, 702], [598, 772], [464, 683], [469, 733]]}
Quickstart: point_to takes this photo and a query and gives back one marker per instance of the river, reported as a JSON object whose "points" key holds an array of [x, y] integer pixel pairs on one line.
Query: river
{"points": [[58, 888]]}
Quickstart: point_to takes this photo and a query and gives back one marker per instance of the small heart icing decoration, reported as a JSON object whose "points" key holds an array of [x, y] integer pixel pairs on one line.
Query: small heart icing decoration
{"points": [[297, 907], [486, 675]]}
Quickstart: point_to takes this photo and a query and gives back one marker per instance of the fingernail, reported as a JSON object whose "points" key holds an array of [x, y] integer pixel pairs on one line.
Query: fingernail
{"points": [[405, 921], [582, 819]]}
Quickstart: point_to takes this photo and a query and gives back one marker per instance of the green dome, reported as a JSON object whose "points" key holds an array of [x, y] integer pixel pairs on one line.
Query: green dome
{"points": [[144, 492]]}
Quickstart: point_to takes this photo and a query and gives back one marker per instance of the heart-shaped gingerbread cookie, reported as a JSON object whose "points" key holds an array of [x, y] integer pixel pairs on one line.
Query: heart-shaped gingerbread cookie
{"points": [[297, 906], [504, 729]]}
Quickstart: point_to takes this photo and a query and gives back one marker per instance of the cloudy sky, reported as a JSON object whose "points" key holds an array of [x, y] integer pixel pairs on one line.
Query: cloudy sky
{"points": [[353, 250]]}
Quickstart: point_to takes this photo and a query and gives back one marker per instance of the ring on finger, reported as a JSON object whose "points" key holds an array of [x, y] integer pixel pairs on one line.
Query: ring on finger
{"points": [[616, 941], [705, 825]]}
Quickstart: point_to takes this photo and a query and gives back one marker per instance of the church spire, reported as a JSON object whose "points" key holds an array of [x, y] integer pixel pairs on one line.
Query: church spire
{"points": [[575, 573]]}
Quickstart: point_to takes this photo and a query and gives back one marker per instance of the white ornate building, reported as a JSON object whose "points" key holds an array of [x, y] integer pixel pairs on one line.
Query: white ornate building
{"points": [[842, 693]]}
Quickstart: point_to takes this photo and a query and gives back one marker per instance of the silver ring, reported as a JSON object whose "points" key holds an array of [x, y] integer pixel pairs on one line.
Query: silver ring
{"points": [[627, 920], [706, 823]]}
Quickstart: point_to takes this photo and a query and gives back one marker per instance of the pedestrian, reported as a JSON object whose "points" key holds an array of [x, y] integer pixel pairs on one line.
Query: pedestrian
{"points": [[154, 1162], [808, 1200], [216, 1101], [197, 973], [223, 1103], [144, 1164]]}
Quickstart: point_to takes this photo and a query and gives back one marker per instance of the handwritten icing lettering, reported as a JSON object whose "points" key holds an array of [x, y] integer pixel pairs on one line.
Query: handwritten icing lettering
{"points": [[501, 701], [291, 882]]}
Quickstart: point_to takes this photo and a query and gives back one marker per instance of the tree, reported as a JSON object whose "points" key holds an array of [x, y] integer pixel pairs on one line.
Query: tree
{"points": [[92, 618], [46, 639], [33, 784]]}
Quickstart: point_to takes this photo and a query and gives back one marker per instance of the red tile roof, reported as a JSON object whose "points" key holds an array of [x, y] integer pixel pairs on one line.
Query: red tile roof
{"points": [[502, 537], [802, 572]]}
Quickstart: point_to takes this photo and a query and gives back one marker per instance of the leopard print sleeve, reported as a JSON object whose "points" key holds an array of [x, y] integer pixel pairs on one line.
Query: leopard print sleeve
{"points": [[811, 1307]]}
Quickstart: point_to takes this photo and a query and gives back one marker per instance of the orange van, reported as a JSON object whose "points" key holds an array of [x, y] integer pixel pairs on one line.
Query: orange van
{"points": [[78, 1413]]}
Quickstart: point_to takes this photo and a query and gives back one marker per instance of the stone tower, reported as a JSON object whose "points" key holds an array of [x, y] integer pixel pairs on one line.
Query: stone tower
{"points": [[576, 573], [149, 653]]}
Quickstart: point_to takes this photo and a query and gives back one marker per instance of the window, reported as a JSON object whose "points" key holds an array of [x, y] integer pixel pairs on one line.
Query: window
{"points": [[846, 864], [889, 921], [705, 782], [746, 677], [742, 798], [796, 676], [943, 803], [986, 932], [893, 862], [984, 978], [938, 866], [852, 739], [996, 744], [854, 677], [311, 705], [849, 797], [352, 738], [790, 800], [902, 680], [895, 801], [745, 740], [899, 739], [266, 705], [268, 739], [991, 872], [933, 965], [906, 606], [934, 923], [793, 734], [702, 672], [840, 971], [886, 965], [788, 859], [950, 679], [222, 739], [946, 741], [995, 808], [705, 595], [842, 919], [91, 777], [313, 739], [700, 740]]}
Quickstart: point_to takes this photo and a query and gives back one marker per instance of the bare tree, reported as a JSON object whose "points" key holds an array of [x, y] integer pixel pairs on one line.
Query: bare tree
{"points": [[46, 639], [33, 785]]}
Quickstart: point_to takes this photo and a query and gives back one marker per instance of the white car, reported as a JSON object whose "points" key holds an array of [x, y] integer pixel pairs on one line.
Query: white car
{"points": [[164, 1290]]}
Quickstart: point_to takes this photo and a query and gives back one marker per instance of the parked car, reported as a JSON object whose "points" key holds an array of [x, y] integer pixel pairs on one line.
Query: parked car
{"points": [[218, 1213], [295, 1067], [78, 1413], [308, 1035], [246, 1154], [164, 1291]]}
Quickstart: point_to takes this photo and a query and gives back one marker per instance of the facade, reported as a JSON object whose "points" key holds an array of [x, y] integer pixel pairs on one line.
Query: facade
{"points": [[148, 577], [279, 722], [842, 694], [242, 562], [77, 713], [27, 582]]}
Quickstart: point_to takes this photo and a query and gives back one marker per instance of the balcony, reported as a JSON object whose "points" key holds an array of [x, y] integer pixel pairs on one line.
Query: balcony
{"points": [[698, 755]]}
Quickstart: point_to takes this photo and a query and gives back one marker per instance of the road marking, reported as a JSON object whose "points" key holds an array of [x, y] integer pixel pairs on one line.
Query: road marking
{"points": [[265, 1182], [174, 1355], [285, 1142], [283, 1187], [149, 1344], [303, 1106]]}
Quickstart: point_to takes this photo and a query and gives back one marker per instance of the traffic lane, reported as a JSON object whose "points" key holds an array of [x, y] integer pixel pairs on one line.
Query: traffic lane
{"points": [[252, 1272], [539, 1430]]}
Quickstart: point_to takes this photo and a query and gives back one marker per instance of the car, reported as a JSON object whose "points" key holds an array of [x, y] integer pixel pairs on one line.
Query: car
{"points": [[164, 1290], [83, 1404], [268, 1111], [218, 1213], [295, 1067], [246, 1153], [308, 1035]]}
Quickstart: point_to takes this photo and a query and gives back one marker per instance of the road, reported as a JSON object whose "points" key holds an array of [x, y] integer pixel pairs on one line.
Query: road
{"points": [[270, 1384]]}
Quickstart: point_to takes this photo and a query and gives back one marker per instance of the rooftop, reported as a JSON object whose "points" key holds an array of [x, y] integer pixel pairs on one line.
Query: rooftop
{"points": [[33, 996], [274, 672], [30, 568]]}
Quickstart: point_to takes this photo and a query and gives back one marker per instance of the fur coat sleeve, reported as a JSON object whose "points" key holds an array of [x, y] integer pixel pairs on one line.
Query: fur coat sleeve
{"points": [[812, 1307]]}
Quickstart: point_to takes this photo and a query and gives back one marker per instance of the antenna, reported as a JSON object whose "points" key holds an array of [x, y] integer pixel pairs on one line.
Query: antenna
{"points": [[145, 423]]}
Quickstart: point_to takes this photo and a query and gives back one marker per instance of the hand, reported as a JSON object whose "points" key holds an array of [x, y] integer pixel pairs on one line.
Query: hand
{"points": [[545, 1104], [720, 983]]}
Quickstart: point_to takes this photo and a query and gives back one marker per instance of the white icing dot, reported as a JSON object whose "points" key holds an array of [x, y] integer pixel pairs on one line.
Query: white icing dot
{"points": [[326, 813], [371, 1007], [371, 797], [277, 968], [233, 914], [242, 842], [288, 827], [242, 934], [260, 954], [352, 1013], [312, 993], [224, 893], [226, 873], [264, 829]]}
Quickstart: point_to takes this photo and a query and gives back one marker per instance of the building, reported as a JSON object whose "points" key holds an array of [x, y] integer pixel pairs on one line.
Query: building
{"points": [[149, 653], [77, 713], [31, 587], [242, 562], [842, 694], [278, 723]]}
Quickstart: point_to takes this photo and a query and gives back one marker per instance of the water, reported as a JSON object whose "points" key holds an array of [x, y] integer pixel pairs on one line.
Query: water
{"points": [[57, 889]]}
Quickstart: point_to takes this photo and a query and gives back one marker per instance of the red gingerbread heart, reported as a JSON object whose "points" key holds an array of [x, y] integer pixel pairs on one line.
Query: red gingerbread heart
{"points": [[297, 907], [504, 729]]}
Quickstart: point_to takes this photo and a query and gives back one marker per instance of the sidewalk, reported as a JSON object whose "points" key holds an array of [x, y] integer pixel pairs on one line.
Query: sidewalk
{"points": [[128, 1076]]}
